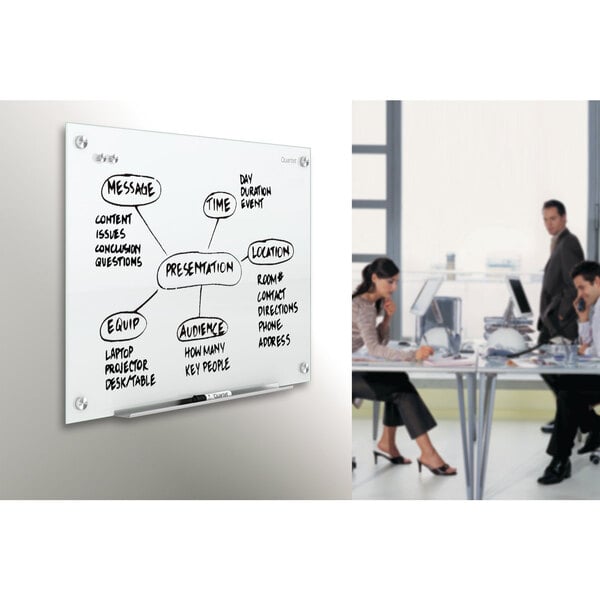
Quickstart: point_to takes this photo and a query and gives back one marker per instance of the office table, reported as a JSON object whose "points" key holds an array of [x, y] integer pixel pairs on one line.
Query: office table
{"points": [[488, 371], [467, 415]]}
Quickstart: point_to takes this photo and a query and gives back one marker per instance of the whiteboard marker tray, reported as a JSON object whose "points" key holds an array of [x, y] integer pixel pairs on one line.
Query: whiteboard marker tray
{"points": [[195, 401]]}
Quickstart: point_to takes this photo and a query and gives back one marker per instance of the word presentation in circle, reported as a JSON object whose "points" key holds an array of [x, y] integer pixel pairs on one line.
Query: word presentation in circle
{"points": [[187, 271]]}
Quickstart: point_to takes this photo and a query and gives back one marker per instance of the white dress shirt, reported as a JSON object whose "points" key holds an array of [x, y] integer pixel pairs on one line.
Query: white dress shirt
{"points": [[589, 332]]}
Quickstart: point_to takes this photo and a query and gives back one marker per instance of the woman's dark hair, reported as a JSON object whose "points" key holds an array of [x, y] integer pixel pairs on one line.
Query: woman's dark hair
{"points": [[382, 267]]}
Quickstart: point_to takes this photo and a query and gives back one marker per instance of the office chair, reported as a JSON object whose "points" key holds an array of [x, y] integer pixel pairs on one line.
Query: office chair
{"points": [[359, 391], [357, 402]]}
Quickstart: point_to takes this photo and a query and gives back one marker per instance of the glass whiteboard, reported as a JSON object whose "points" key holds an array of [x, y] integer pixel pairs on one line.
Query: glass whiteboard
{"points": [[187, 269]]}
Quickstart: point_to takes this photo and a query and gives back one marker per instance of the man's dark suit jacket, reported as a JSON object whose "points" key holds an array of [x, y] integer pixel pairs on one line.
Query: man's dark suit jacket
{"points": [[558, 290]]}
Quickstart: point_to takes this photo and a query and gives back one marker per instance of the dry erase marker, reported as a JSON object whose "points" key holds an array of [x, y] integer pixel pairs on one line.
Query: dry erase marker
{"points": [[205, 397]]}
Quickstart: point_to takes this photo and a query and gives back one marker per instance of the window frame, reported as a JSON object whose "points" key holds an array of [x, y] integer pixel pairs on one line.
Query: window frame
{"points": [[392, 204]]}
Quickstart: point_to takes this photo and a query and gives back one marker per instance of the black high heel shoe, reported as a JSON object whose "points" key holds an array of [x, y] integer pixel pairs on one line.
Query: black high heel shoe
{"points": [[395, 460], [443, 470]]}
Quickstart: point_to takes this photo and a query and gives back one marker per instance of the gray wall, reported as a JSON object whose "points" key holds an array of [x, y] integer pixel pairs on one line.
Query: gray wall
{"points": [[291, 445]]}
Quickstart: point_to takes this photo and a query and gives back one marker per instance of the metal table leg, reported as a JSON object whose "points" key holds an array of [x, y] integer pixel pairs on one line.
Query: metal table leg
{"points": [[466, 441], [472, 395], [487, 392], [375, 418], [488, 428]]}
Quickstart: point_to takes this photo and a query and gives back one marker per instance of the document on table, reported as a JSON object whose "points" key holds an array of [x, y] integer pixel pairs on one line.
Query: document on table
{"points": [[525, 363], [362, 355]]}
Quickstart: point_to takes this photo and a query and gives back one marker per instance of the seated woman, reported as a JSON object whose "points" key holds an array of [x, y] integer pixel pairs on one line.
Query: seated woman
{"points": [[403, 405]]}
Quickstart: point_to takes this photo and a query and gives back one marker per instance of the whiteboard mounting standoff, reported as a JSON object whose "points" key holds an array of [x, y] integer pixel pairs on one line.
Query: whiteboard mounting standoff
{"points": [[303, 368], [81, 142], [304, 162], [81, 403]]}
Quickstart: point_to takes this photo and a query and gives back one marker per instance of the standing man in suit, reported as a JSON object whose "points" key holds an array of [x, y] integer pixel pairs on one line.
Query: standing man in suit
{"points": [[557, 315]]}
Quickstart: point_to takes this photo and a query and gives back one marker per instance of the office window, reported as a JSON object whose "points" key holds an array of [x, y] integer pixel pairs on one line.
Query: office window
{"points": [[474, 178], [368, 231], [376, 171], [369, 123], [369, 177]]}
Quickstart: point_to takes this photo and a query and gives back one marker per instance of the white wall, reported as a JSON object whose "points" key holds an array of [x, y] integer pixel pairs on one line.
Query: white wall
{"points": [[291, 445]]}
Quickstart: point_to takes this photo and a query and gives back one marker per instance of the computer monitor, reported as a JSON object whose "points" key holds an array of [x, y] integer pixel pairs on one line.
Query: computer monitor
{"points": [[521, 307], [425, 296]]}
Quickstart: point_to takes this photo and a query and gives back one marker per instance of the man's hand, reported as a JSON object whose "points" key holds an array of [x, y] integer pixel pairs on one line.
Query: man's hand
{"points": [[584, 314]]}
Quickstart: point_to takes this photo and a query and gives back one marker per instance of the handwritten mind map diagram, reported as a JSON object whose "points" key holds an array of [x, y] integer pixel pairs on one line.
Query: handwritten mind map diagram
{"points": [[187, 268]]}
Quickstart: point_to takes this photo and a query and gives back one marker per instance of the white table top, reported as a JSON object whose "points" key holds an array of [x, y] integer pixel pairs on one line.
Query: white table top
{"points": [[365, 363], [523, 368], [526, 366]]}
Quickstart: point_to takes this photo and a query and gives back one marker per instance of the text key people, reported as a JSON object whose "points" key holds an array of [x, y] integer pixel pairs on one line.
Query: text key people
{"points": [[403, 404]]}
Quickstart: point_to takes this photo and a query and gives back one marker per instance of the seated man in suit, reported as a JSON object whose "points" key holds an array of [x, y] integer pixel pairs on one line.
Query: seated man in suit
{"points": [[575, 394]]}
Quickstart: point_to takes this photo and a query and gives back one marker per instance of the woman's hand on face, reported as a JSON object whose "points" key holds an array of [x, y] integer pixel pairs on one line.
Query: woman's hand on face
{"points": [[424, 352], [389, 306]]}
